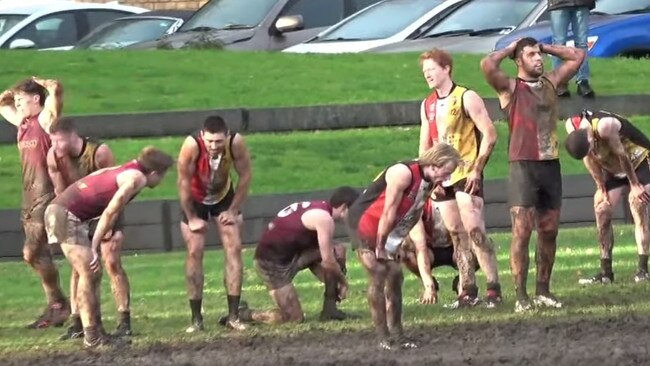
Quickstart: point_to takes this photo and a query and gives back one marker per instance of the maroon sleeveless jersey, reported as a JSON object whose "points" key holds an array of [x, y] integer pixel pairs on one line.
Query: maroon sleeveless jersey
{"points": [[88, 197], [532, 120], [33, 144], [366, 211], [211, 180], [286, 235]]}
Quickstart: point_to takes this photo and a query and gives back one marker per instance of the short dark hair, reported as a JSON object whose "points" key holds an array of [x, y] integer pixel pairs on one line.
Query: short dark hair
{"points": [[154, 160], [215, 124], [29, 86], [577, 143], [524, 42], [63, 125], [343, 196]]}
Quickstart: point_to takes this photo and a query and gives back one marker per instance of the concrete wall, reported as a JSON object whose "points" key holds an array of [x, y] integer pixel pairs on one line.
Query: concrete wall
{"points": [[304, 118], [157, 4], [154, 225]]}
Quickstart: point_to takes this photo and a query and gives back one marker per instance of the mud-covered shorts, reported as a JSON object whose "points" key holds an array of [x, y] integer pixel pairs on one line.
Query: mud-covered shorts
{"points": [[276, 273]]}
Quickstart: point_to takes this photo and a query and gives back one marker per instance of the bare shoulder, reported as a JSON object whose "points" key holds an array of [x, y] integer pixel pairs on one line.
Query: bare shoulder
{"points": [[316, 217], [398, 173]]}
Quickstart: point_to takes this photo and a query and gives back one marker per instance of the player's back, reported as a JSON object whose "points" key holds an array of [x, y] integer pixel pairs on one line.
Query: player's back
{"points": [[286, 234], [89, 196]]}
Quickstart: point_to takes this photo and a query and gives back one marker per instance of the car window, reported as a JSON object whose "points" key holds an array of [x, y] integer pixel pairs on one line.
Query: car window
{"points": [[544, 17], [7, 21], [54, 30], [316, 13], [121, 33], [393, 16], [488, 14], [619, 6], [229, 14], [360, 4], [99, 17]]}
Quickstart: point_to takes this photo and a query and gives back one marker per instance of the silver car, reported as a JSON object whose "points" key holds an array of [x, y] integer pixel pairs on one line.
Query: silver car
{"points": [[475, 26]]}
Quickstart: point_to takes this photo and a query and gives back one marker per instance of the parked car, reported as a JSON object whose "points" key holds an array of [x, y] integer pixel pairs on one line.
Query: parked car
{"points": [[257, 24], [125, 31], [54, 24], [386, 22], [474, 27], [616, 28]]}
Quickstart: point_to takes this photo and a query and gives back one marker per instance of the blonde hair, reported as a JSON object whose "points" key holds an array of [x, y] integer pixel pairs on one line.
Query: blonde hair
{"points": [[440, 155], [154, 160]]}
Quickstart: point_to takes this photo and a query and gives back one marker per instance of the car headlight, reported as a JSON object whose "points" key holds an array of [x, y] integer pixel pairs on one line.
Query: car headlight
{"points": [[591, 41]]}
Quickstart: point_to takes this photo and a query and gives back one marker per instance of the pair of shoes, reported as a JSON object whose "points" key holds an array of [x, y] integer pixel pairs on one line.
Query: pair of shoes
{"points": [[600, 278], [542, 300]]}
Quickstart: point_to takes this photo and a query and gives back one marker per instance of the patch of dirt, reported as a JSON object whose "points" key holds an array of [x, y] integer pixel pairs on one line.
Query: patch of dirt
{"points": [[617, 341]]}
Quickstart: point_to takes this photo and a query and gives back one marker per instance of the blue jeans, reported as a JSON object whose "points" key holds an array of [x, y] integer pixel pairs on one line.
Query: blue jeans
{"points": [[579, 20]]}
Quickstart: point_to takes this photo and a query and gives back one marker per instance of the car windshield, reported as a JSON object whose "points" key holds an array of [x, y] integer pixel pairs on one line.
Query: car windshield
{"points": [[619, 6], [229, 14], [480, 15], [7, 21], [393, 15], [121, 33]]}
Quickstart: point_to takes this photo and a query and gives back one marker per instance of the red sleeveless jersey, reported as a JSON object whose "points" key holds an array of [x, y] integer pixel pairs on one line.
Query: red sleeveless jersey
{"points": [[33, 144], [366, 211], [286, 235], [88, 197], [211, 180]]}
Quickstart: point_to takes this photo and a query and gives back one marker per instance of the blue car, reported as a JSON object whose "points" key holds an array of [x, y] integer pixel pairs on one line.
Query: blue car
{"points": [[616, 28]]}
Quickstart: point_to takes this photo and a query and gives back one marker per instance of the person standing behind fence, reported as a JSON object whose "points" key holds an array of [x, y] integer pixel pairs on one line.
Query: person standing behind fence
{"points": [[206, 192], [576, 13]]}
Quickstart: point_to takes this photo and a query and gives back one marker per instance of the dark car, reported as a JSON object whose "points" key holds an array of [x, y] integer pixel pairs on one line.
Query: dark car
{"points": [[132, 29], [474, 27], [257, 24]]}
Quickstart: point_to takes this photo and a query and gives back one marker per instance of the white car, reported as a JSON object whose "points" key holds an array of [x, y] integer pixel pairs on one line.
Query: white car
{"points": [[54, 24], [386, 22]]}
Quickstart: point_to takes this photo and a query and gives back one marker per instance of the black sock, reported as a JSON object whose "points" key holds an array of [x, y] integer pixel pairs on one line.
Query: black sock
{"points": [[543, 288], [125, 317], [233, 306], [606, 266], [76, 321], [195, 306], [643, 262]]}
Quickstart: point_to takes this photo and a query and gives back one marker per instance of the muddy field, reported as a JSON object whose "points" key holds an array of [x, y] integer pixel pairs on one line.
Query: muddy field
{"points": [[617, 341]]}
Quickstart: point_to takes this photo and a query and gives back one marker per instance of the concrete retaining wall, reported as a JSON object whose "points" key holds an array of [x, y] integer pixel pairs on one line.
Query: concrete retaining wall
{"points": [[304, 118], [154, 225]]}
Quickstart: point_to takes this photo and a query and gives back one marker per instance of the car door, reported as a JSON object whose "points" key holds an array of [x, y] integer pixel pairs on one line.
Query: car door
{"points": [[317, 15], [93, 18], [49, 31]]}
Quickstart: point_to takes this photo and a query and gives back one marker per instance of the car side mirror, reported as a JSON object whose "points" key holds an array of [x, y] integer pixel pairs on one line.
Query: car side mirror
{"points": [[289, 23], [21, 43]]}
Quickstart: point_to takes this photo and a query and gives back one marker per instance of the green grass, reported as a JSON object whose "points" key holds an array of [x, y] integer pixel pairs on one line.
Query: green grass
{"points": [[160, 311], [298, 161], [122, 81]]}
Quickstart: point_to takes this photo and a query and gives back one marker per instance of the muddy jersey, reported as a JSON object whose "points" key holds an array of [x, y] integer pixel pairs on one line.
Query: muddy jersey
{"points": [[88, 197], [532, 120], [286, 236], [33, 145], [449, 123], [74, 168], [211, 181], [631, 138], [366, 211]]}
